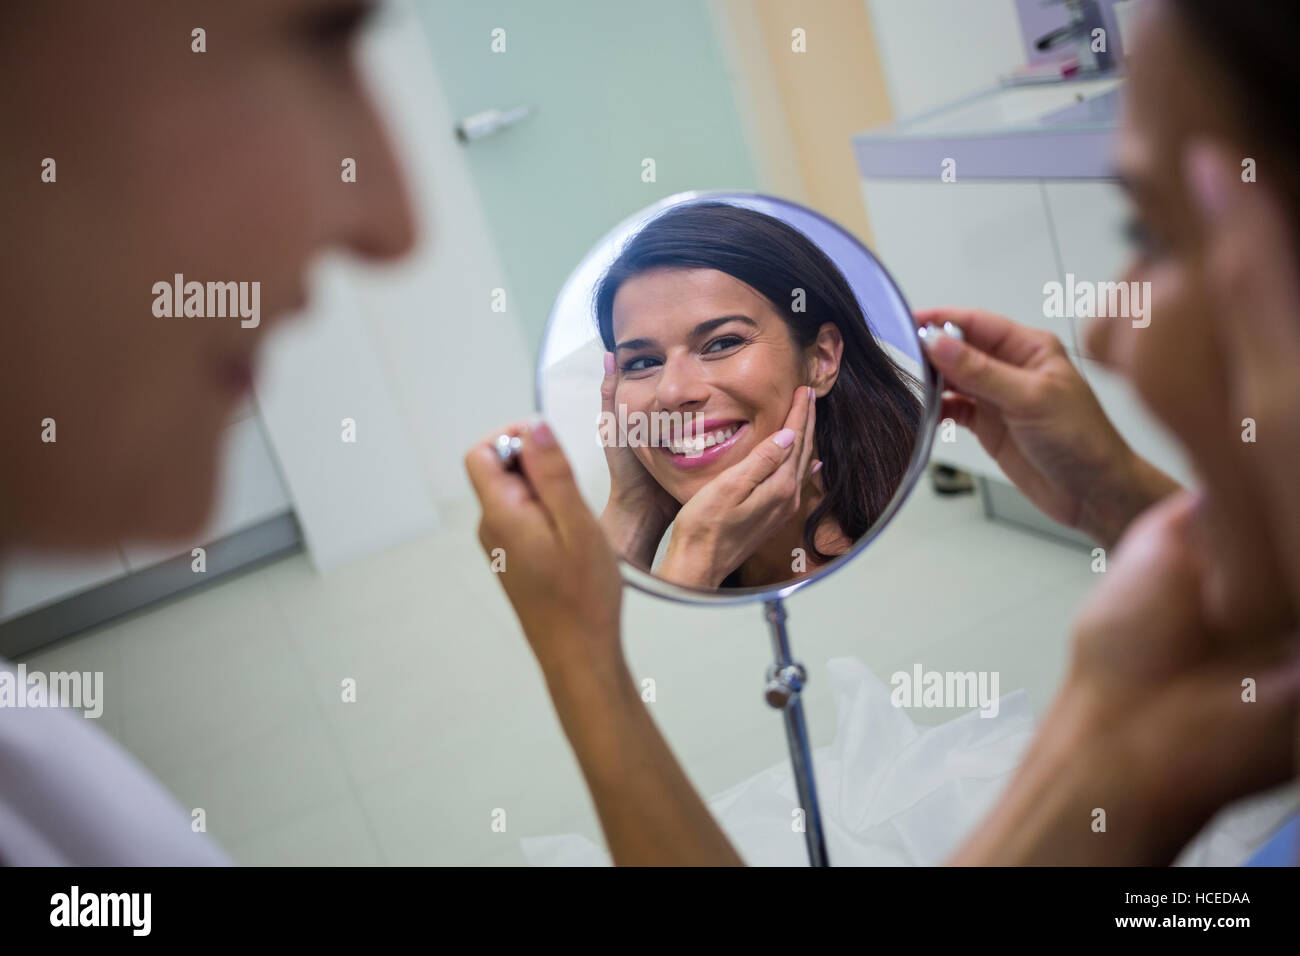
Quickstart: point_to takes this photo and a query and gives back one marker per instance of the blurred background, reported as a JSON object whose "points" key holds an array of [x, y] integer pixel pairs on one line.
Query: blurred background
{"points": [[524, 129]]}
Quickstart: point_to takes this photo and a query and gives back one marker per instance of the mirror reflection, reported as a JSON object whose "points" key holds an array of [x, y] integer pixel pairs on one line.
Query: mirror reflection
{"points": [[758, 398]]}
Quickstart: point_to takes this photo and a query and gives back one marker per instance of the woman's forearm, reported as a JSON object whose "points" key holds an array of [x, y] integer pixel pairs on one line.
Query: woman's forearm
{"points": [[650, 813], [1079, 798], [634, 534], [1139, 486]]}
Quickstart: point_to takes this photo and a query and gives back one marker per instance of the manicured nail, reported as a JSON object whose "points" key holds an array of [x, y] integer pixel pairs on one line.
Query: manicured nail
{"points": [[812, 394], [1206, 178], [542, 435], [784, 438], [941, 346], [609, 363], [817, 466]]}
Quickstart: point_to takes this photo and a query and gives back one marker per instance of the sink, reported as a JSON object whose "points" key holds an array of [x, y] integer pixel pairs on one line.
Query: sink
{"points": [[1006, 108], [1052, 130]]}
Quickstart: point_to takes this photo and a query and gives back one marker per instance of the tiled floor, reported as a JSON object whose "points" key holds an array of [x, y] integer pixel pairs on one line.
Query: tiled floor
{"points": [[234, 696]]}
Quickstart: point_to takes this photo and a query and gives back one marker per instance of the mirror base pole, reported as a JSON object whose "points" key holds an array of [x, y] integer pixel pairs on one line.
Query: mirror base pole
{"points": [[785, 681]]}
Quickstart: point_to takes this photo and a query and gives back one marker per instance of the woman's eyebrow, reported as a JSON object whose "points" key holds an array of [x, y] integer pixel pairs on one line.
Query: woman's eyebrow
{"points": [[635, 344], [704, 328]]}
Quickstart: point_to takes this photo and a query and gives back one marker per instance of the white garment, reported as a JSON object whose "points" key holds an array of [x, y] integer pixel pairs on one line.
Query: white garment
{"points": [[69, 795], [892, 793]]}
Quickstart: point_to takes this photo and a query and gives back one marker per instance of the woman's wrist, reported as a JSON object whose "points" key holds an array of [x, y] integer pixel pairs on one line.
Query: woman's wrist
{"points": [[1086, 793], [634, 532], [688, 566], [1135, 485], [593, 697]]}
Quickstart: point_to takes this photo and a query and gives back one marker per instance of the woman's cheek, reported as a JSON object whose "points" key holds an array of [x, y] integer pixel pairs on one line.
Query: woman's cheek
{"points": [[1166, 359], [765, 383], [631, 396]]}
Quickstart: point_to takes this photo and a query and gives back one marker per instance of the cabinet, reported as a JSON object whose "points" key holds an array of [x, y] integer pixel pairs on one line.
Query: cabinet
{"points": [[994, 245], [250, 493]]}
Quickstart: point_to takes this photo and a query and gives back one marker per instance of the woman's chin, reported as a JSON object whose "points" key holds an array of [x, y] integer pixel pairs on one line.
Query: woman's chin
{"points": [[1244, 589], [682, 491], [1242, 605]]}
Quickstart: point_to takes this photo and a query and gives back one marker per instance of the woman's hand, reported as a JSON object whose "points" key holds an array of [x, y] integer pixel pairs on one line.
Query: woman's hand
{"points": [[1154, 725], [1031, 410], [562, 578], [560, 573], [733, 514], [639, 510]]}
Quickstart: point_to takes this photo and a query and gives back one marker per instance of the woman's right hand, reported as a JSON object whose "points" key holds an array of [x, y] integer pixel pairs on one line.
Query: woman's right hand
{"points": [[639, 511], [1032, 411], [727, 519], [1153, 723]]}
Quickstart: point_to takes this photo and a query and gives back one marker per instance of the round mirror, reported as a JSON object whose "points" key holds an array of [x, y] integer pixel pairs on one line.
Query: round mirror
{"points": [[739, 386]]}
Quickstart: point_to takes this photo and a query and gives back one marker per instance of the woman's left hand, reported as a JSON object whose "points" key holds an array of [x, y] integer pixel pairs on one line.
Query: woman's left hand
{"points": [[741, 508], [1156, 724]]}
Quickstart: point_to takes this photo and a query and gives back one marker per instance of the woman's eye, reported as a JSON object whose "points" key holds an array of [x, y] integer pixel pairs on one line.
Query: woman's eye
{"points": [[724, 342], [1141, 239], [333, 27], [640, 364]]}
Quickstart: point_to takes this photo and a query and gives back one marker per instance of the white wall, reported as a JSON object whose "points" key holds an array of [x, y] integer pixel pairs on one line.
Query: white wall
{"points": [[413, 352], [458, 369], [937, 51]]}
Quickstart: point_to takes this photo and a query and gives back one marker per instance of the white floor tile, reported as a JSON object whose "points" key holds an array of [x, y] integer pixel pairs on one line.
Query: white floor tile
{"points": [[233, 695]]}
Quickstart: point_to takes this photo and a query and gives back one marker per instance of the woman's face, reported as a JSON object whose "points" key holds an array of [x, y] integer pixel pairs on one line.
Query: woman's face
{"points": [[703, 344], [221, 166], [1175, 363]]}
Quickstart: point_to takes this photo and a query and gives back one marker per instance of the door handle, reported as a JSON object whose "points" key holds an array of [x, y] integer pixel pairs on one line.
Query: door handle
{"points": [[487, 122]]}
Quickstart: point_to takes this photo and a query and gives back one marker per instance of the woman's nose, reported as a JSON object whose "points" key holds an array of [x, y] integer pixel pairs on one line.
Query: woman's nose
{"points": [[1108, 339], [681, 385], [1097, 336], [378, 220]]}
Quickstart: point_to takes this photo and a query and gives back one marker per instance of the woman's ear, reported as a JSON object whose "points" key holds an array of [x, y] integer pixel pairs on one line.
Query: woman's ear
{"points": [[823, 358]]}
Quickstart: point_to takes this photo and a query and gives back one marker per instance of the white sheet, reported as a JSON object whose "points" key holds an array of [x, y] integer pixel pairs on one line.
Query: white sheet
{"points": [[892, 792]]}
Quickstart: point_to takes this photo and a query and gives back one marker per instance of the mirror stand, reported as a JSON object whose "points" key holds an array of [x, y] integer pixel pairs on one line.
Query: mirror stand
{"points": [[785, 680]]}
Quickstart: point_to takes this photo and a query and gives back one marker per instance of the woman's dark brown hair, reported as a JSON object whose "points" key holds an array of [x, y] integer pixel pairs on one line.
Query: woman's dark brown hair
{"points": [[870, 419], [1253, 43]]}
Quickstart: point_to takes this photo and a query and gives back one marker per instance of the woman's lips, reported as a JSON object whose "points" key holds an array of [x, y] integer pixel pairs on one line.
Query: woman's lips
{"points": [[709, 455]]}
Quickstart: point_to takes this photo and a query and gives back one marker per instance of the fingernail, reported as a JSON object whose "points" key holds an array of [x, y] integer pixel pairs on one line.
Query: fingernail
{"points": [[609, 363], [784, 438], [812, 394], [1206, 178], [938, 342], [817, 466], [543, 435]]}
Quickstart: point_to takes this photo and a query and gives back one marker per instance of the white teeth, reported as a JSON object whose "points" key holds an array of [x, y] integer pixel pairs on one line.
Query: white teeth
{"points": [[695, 446]]}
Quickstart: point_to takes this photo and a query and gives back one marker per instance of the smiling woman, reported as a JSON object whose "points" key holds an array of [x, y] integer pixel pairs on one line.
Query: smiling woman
{"points": [[801, 425]]}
